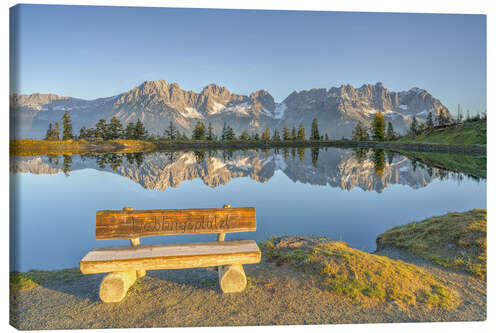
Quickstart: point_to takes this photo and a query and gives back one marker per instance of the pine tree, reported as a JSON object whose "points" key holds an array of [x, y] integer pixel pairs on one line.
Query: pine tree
{"points": [[55, 132], [301, 134], [413, 126], [228, 133], [266, 136], [115, 129], [276, 135], [140, 132], [357, 132], [443, 120], [199, 131], [360, 133], [314, 130], [224, 130], [326, 136], [378, 126], [67, 127], [48, 134], [171, 131], [256, 136], [102, 129], [210, 132], [429, 123], [293, 134], [83, 133], [390, 135], [129, 131], [286, 133], [244, 135]]}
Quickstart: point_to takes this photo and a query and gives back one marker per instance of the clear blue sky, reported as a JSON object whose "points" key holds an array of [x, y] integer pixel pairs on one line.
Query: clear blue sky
{"points": [[90, 52]]}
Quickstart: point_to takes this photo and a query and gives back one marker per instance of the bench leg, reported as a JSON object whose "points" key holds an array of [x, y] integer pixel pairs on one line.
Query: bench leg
{"points": [[115, 285], [232, 278]]}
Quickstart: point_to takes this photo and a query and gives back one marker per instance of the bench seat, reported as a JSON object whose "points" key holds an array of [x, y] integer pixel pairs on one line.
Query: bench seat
{"points": [[173, 256]]}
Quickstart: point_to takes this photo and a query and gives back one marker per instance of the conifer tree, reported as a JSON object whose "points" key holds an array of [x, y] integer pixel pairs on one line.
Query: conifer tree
{"points": [[244, 135], [276, 135], [429, 123], [140, 132], [67, 127], [129, 131], [314, 130], [256, 136], [102, 129], [390, 135], [228, 133], [301, 134], [224, 130], [378, 126], [199, 131], [171, 131], [293, 134], [48, 134], [55, 132], [115, 129], [83, 133], [413, 126], [210, 132], [286, 133], [326, 136], [266, 136], [360, 133]]}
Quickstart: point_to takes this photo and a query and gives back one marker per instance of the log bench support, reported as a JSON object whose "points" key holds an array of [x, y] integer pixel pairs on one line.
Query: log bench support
{"points": [[124, 265], [232, 278], [115, 285]]}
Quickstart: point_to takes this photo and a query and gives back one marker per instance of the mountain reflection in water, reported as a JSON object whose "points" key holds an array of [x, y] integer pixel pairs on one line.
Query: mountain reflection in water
{"points": [[371, 170]]}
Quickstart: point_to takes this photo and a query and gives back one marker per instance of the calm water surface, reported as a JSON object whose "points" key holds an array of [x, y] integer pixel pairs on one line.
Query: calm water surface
{"points": [[343, 194]]}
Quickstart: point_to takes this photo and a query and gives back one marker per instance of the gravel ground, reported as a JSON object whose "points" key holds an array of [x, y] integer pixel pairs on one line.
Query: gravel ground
{"points": [[276, 295]]}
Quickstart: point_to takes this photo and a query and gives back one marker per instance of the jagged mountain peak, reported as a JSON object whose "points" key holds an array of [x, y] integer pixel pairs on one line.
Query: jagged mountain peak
{"points": [[157, 103]]}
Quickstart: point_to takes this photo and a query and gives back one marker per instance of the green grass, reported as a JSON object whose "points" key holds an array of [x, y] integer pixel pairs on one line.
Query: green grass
{"points": [[469, 133], [360, 275], [472, 165], [21, 281], [456, 240]]}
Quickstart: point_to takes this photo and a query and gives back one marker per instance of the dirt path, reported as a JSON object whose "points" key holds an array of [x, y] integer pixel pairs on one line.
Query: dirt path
{"points": [[276, 295]]}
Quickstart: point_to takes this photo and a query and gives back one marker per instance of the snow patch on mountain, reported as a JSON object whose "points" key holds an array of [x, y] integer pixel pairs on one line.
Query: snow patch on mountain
{"points": [[190, 112], [280, 111]]}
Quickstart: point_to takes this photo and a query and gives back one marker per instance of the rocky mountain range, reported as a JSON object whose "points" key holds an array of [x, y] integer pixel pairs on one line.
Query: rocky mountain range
{"points": [[156, 103], [159, 171]]}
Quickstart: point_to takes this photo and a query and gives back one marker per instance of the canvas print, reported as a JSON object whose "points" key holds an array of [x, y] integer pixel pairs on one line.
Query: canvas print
{"points": [[175, 167]]}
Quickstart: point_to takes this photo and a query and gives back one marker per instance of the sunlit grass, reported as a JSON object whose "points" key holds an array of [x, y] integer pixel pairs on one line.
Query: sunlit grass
{"points": [[469, 133], [456, 240], [360, 275]]}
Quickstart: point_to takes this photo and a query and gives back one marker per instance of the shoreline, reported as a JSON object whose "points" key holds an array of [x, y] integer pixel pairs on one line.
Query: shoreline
{"points": [[28, 147]]}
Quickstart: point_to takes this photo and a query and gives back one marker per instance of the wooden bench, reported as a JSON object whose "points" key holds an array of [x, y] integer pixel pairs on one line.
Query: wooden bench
{"points": [[124, 264]]}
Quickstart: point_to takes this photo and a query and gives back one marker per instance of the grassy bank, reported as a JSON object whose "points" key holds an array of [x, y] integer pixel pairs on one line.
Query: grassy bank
{"points": [[468, 133], [28, 147], [360, 275], [456, 240]]}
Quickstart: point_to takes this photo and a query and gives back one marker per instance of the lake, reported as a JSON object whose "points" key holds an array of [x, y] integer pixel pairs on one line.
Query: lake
{"points": [[344, 194]]}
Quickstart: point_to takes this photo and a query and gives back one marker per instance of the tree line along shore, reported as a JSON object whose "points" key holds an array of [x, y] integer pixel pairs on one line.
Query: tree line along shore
{"points": [[467, 136]]}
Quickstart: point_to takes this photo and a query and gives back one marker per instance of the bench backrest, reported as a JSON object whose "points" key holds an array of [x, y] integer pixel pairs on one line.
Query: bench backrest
{"points": [[128, 223]]}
